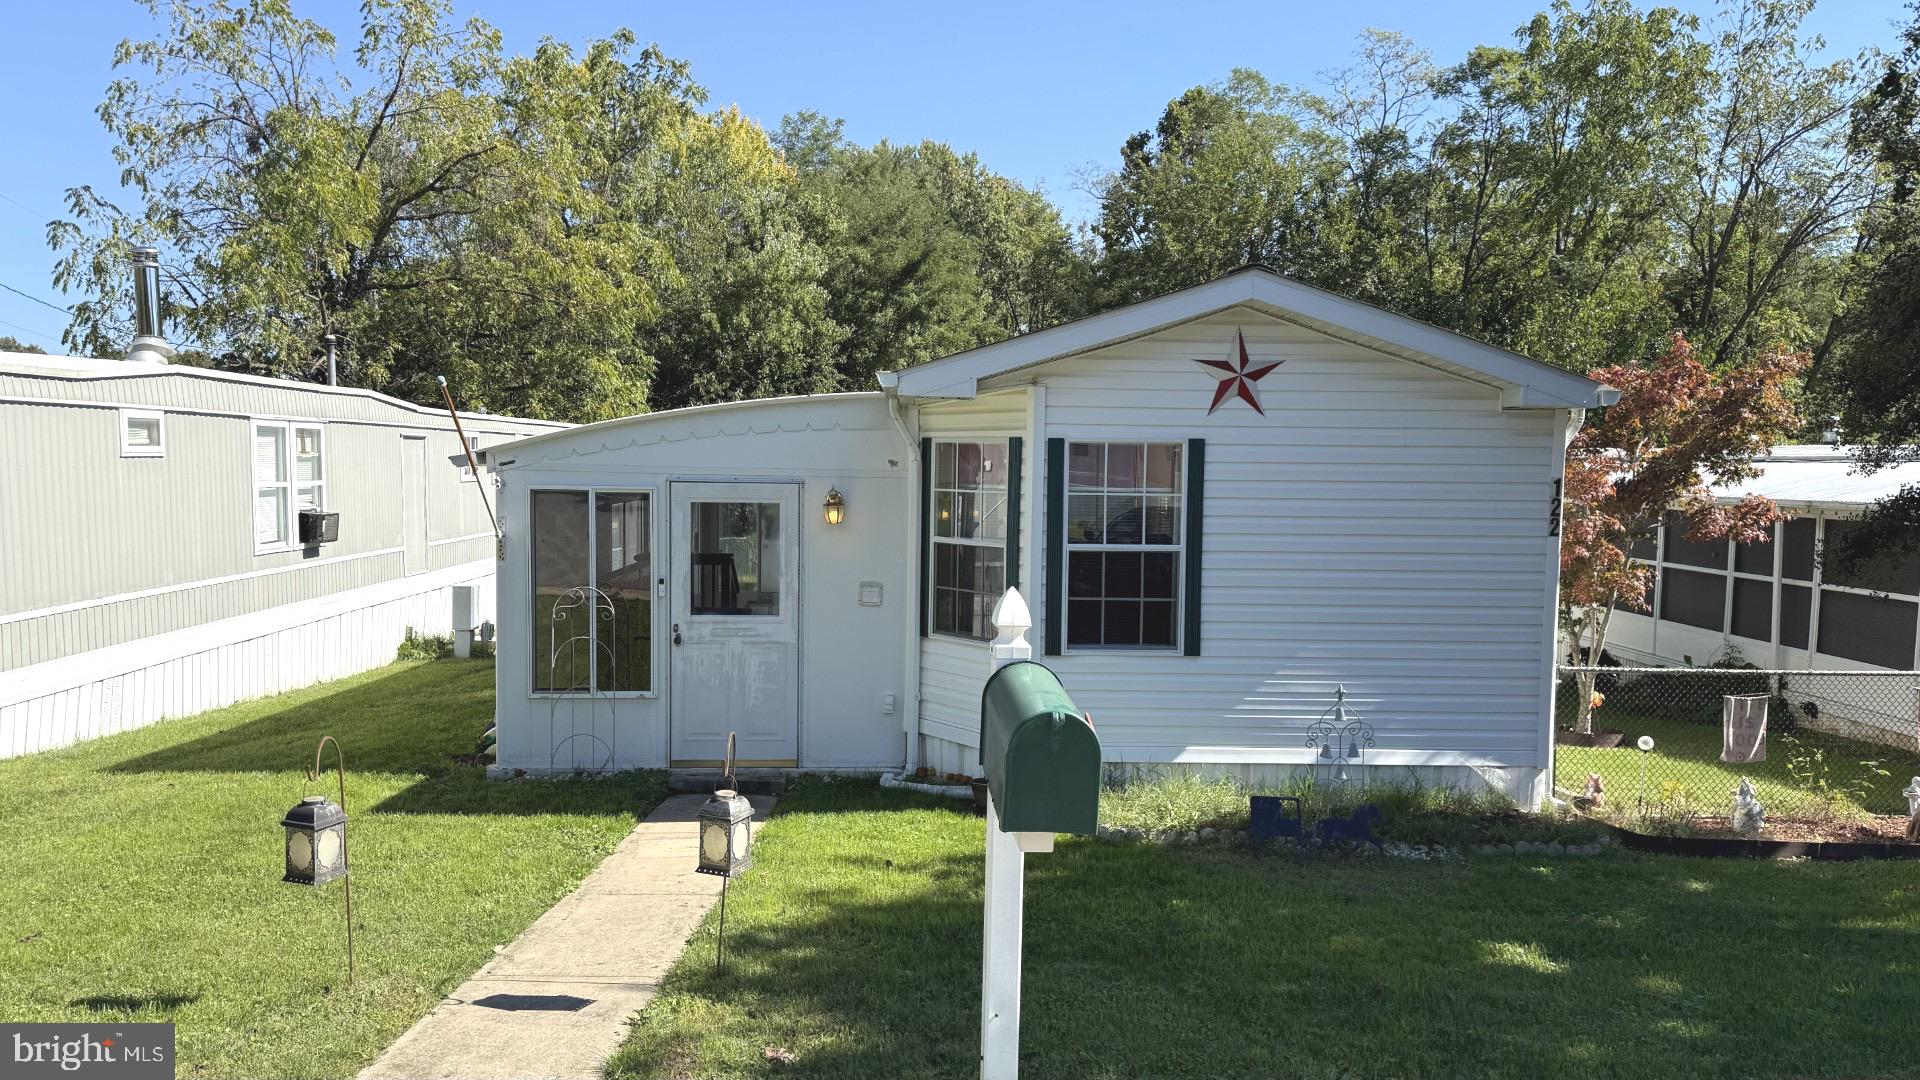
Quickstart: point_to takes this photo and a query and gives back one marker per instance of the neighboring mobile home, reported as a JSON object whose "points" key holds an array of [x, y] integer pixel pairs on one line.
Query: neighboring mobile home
{"points": [[1221, 504], [1778, 603], [151, 517]]}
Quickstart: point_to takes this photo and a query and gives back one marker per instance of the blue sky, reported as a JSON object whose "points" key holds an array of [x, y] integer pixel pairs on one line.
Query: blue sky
{"points": [[1042, 91]]}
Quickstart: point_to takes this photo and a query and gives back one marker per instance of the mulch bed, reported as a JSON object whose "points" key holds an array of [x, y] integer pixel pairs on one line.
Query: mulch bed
{"points": [[1883, 829]]}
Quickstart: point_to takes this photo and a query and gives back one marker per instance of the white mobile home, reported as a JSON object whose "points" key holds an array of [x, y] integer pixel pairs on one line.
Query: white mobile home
{"points": [[1221, 504], [158, 523]]}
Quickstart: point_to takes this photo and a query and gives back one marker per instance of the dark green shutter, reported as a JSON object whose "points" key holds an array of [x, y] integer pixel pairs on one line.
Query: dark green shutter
{"points": [[926, 541], [1056, 541], [1016, 447], [1196, 514]]}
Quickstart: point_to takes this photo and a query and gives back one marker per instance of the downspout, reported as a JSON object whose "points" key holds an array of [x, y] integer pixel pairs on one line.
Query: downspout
{"points": [[910, 723]]}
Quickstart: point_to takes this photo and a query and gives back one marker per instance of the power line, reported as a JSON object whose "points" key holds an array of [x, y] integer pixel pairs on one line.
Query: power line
{"points": [[24, 206], [53, 341], [35, 299]]}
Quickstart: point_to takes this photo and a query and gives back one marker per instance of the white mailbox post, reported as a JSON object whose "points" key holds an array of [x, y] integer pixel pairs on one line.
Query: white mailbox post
{"points": [[1005, 892]]}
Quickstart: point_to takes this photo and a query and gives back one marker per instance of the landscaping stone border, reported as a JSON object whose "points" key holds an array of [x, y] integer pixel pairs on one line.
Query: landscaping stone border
{"points": [[1727, 847], [1395, 849]]}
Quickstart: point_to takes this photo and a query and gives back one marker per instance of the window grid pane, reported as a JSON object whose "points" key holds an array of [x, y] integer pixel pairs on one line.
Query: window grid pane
{"points": [[969, 531], [1123, 532]]}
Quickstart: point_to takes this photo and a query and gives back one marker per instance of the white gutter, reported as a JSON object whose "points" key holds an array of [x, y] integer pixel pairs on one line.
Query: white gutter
{"points": [[910, 723]]}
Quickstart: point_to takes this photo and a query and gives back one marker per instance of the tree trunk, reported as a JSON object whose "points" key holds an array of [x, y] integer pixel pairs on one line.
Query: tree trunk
{"points": [[1589, 661]]}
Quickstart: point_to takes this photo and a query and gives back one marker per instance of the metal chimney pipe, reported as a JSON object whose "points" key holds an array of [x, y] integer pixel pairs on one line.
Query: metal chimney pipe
{"points": [[149, 345], [333, 367]]}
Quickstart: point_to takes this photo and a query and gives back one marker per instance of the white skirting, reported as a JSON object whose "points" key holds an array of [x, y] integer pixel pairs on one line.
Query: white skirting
{"points": [[1525, 785], [203, 667]]}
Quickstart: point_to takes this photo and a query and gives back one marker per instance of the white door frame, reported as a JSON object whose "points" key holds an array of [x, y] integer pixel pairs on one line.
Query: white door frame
{"points": [[681, 494]]}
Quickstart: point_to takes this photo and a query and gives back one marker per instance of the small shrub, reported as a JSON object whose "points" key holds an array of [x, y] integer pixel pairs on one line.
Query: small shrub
{"points": [[418, 646]]}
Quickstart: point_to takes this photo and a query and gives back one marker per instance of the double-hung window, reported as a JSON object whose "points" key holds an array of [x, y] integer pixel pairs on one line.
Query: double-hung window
{"points": [[289, 475], [593, 587], [1124, 544], [970, 508]]}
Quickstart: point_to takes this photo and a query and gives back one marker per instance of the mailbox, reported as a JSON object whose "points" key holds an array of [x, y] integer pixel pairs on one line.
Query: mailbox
{"points": [[1040, 754]]}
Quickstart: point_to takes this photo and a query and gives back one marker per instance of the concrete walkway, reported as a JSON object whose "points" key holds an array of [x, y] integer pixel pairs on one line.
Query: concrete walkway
{"points": [[555, 1003]]}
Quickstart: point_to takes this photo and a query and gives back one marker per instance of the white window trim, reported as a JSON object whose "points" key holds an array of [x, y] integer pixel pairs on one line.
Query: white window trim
{"points": [[934, 539], [1068, 547], [128, 450], [593, 555], [288, 444]]}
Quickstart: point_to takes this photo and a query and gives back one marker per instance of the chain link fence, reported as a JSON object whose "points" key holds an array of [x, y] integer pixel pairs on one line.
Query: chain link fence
{"points": [[1839, 746]]}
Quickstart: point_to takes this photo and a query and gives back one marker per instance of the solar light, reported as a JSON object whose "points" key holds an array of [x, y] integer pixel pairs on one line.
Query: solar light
{"points": [[836, 506], [1645, 744], [316, 850], [726, 836], [316, 841]]}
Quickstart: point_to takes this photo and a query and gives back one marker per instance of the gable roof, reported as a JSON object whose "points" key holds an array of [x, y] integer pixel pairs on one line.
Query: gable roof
{"points": [[1523, 382]]}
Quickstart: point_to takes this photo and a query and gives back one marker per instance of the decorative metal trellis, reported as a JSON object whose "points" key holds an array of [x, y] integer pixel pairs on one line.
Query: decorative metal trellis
{"points": [[1340, 743], [587, 751]]}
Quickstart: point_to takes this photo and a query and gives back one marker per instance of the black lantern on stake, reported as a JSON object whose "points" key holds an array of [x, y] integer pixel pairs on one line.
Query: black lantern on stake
{"points": [[316, 841], [316, 851], [726, 839]]}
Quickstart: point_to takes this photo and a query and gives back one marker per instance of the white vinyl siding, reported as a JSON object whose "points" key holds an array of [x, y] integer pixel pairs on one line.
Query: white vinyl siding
{"points": [[1382, 526], [289, 475]]}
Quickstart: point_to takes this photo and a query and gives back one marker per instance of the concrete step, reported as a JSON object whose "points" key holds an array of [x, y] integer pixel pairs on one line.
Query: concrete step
{"points": [[746, 781]]}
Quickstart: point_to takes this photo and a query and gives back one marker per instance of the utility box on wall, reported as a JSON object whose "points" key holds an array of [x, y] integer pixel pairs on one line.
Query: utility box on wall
{"points": [[1039, 751]]}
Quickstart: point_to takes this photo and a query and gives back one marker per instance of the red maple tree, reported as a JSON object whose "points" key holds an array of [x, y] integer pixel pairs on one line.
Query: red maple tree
{"points": [[1677, 426]]}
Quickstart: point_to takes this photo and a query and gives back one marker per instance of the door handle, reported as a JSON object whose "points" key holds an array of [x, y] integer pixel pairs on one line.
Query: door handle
{"points": [[676, 633]]}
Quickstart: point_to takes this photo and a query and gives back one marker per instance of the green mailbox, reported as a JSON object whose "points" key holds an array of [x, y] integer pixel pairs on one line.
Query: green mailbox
{"points": [[1039, 752]]}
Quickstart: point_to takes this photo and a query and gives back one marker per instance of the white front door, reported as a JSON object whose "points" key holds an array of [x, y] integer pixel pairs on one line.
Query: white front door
{"points": [[734, 636]]}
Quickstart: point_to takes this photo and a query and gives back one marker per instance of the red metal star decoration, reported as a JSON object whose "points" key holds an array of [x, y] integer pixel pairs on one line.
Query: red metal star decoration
{"points": [[1240, 376]]}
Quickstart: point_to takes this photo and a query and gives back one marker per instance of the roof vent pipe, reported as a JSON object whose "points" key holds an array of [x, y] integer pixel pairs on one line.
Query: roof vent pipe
{"points": [[333, 363], [148, 345]]}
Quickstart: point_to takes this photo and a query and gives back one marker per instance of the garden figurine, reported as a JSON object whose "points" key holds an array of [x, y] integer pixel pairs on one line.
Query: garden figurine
{"points": [[1749, 816], [1595, 797], [1913, 809]]}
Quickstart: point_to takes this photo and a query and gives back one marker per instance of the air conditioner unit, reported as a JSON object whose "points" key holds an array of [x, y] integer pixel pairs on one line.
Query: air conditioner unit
{"points": [[319, 527]]}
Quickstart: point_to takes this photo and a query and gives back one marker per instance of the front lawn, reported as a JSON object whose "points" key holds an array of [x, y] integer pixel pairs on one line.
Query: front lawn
{"points": [[142, 871], [854, 946]]}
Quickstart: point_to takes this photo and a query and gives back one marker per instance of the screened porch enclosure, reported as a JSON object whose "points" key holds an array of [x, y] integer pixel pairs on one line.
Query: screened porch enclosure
{"points": [[1772, 600]]}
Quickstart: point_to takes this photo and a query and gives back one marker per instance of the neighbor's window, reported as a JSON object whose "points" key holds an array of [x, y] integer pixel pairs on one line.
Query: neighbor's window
{"points": [[969, 536], [1124, 544], [289, 475], [466, 467], [142, 434], [592, 591]]}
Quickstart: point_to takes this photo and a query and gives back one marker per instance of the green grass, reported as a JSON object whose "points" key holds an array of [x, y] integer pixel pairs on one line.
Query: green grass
{"points": [[142, 871], [1685, 765], [854, 943]]}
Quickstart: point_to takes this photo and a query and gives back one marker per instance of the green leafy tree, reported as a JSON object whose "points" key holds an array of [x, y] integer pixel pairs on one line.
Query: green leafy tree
{"points": [[1870, 381], [442, 208], [9, 343]]}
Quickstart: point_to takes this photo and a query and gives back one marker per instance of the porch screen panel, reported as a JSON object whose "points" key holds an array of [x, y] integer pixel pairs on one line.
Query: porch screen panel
{"points": [[1693, 598], [1754, 558], [1796, 614], [1753, 609], [563, 635], [1710, 554], [1871, 629], [1796, 556], [1894, 567]]}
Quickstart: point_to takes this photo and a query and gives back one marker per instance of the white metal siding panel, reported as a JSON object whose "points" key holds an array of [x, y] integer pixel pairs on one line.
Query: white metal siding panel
{"points": [[1383, 526]]}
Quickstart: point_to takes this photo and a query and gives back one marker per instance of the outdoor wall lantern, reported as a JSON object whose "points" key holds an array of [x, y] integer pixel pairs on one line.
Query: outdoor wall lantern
{"points": [[316, 851], [836, 506]]}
